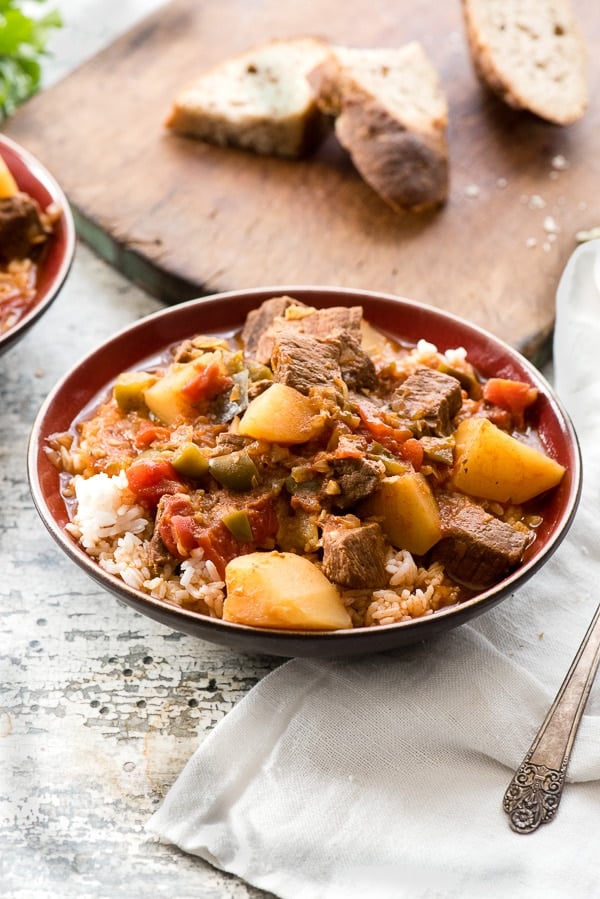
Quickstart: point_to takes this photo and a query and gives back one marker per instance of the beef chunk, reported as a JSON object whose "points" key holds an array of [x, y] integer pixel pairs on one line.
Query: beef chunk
{"points": [[326, 322], [262, 326], [303, 362], [228, 442], [356, 479], [358, 370], [354, 556], [429, 400], [257, 387], [21, 227], [476, 548], [265, 324]]}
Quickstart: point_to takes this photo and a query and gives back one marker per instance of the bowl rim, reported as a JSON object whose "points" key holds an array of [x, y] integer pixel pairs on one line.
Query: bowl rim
{"points": [[68, 238], [158, 609]]}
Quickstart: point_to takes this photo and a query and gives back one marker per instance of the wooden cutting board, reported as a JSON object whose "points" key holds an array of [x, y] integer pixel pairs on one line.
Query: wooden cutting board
{"points": [[182, 218]]}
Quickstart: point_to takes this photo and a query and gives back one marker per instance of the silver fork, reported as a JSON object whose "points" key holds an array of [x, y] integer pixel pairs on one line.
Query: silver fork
{"points": [[534, 793]]}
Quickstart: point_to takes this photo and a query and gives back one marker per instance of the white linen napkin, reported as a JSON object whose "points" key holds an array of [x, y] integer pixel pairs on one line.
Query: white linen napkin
{"points": [[383, 776]]}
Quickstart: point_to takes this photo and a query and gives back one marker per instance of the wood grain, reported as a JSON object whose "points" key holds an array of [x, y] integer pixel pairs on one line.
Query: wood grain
{"points": [[182, 218]]}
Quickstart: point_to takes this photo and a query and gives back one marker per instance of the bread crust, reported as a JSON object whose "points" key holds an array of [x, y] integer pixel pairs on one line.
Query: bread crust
{"points": [[401, 154], [533, 61], [408, 170]]}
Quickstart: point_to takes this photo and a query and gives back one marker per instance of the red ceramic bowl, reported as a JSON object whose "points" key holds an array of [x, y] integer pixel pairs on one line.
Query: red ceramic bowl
{"points": [[56, 260], [225, 313]]}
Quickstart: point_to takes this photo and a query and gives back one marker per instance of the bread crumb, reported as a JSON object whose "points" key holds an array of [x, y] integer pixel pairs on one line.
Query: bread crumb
{"points": [[546, 246], [531, 242], [501, 183], [560, 163], [536, 202], [471, 191], [541, 636], [591, 234], [550, 226]]}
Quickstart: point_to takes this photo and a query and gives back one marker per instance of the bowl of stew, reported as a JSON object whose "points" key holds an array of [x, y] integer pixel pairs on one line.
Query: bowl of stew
{"points": [[37, 241], [306, 471]]}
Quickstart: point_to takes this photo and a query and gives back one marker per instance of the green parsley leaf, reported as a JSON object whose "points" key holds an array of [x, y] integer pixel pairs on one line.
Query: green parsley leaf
{"points": [[23, 41]]}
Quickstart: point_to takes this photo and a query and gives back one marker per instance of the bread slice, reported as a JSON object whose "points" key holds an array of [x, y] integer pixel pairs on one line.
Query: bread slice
{"points": [[391, 115], [531, 53], [259, 100]]}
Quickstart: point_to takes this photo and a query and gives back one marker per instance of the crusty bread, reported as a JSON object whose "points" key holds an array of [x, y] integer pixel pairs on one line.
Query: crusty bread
{"points": [[259, 100], [391, 115], [531, 53]]}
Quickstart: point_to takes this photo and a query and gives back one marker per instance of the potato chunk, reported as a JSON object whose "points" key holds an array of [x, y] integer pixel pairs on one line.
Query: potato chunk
{"points": [[174, 397], [8, 185], [281, 590], [165, 398], [491, 464], [407, 511], [282, 415]]}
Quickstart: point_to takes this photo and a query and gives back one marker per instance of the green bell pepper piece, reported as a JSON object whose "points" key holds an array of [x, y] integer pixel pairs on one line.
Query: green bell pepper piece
{"points": [[190, 461], [235, 471], [238, 524]]}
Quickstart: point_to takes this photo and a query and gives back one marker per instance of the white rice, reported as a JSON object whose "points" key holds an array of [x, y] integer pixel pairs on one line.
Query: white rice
{"points": [[412, 591], [105, 510], [116, 532], [427, 354], [402, 569]]}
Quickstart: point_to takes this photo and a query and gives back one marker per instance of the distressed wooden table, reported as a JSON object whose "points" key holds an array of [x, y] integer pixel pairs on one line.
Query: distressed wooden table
{"points": [[99, 707]]}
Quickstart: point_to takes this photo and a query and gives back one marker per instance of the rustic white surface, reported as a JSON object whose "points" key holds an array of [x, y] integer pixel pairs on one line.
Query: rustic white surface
{"points": [[99, 707]]}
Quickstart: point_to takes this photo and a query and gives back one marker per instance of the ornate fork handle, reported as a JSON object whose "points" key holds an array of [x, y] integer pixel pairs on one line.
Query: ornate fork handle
{"points": [[534, 793]]}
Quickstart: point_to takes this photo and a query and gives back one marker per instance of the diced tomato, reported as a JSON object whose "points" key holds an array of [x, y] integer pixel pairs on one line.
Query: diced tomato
{"points": [[346, 451], [399, 441], [176, 525], [206, 384], [151, 477], [148, 433], [181, 533], [514, 396], [181, 537], [502, 418], [262, 514], [412, 451], [220, 546], [377, 427]]}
